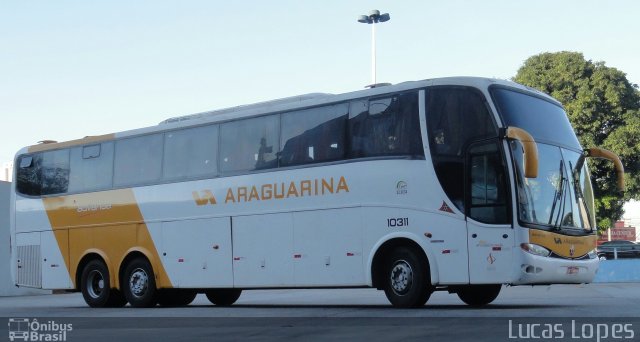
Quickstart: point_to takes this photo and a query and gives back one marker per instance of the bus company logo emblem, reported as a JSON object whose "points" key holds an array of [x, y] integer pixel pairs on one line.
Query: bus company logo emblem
{"points": [[558, 241], [401, 188], [445, 208], [204, 197], [572, 250]]}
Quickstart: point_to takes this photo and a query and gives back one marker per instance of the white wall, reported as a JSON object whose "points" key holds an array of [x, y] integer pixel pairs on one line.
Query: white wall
{"points": [[6, 285], [631, 216]]}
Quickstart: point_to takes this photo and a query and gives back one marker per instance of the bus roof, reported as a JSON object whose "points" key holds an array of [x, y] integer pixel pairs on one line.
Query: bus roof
{"points": [[286, 104]]}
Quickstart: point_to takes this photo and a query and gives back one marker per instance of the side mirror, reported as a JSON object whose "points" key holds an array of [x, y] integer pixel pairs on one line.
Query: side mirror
{"points": [[595, 152], [530, 150]]}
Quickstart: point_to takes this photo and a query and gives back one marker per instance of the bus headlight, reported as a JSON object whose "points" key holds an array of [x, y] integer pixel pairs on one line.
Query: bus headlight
{"points": [[535, 249], [593, 254]]}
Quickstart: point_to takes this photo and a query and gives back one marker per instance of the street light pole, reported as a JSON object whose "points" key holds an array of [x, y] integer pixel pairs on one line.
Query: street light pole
{"points": [[373, 18]]}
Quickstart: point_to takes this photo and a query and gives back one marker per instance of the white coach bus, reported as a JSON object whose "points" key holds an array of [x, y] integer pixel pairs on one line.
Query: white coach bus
{"points": [[453, 184]]}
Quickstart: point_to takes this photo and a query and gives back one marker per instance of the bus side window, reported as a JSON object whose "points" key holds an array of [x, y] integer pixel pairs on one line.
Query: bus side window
{"points": [[313, 135], [91, 167], [138, 160], [456, 117], [28, 180], [249, 144], [385, 126], [487, 184], [191, 152], [55, 172]]}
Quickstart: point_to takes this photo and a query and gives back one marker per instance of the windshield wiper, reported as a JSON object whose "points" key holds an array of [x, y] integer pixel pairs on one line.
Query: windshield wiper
{"points": [[558, 195]]}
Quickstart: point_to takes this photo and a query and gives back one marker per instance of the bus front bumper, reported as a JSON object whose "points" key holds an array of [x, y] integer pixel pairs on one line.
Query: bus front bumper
{"points": [[535, 269]]}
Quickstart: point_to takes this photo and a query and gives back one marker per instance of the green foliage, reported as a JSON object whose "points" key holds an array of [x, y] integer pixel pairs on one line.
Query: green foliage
{"points": [[604, 109]]}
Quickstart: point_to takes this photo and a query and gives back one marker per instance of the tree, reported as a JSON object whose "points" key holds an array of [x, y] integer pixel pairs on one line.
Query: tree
{"points": [[604, 109]]}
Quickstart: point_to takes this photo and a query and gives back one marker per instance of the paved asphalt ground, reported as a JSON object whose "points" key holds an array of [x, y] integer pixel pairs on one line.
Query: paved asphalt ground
{"points": [[571, 312]]}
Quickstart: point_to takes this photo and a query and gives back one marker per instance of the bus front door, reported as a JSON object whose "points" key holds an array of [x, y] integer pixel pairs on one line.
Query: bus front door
{"points": [[490, 236]]}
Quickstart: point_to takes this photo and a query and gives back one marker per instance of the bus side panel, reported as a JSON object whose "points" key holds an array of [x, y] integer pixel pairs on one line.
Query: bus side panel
{"points": [[110, 242], [28, 260], [55, 249], [42, 254], [446, 249], [263, 250], [329, 245], [197, 253]]}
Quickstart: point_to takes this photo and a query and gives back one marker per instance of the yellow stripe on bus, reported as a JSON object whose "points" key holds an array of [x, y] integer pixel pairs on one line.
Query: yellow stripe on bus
{"points": [[563, 245], [108, 223]]}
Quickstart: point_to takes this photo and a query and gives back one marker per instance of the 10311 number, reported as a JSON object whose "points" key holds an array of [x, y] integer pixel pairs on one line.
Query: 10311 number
{"points": [[398, 222]]}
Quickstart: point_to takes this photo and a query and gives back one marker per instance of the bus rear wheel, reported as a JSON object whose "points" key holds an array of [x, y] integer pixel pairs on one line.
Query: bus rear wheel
{"points": [[479, 295], [407, 279], [139, 284], [95, 286], [175, 297], [223, 297]]}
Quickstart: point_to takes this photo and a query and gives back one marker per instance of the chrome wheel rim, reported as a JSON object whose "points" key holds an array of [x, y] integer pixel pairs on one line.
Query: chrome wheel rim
{"points": [[401, 277], [138, 282]]}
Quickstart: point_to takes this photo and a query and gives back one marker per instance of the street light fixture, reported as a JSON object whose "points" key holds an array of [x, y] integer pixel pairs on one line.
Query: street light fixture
{"points": [[373, 18]]}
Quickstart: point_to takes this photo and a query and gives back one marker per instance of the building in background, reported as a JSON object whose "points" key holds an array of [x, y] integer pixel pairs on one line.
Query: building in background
{"points": [[620, 231], [7, 171], [632, 215]]}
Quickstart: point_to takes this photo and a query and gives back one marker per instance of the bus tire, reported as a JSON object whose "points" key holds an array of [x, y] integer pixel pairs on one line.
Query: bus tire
{"points": [[139, 284], [407, 282], [479, 295], [223, 297], [95, 288], [175, 297]]}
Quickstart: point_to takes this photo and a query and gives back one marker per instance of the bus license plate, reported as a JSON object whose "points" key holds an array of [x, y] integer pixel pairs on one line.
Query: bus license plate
{"points": [[572, 270]]}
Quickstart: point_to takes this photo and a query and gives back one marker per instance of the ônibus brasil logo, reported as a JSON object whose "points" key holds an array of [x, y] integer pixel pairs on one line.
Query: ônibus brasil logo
{"points": [[25, 329]]}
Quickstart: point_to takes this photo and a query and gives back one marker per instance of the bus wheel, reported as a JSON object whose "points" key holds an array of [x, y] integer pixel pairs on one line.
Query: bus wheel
{"points": [[223, 297], [139, 284], [407, 283], [175, 297], [94, 284], [479, 295]]}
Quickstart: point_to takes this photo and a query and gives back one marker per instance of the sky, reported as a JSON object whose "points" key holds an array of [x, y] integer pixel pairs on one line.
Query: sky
{"points": [[69, 69]]}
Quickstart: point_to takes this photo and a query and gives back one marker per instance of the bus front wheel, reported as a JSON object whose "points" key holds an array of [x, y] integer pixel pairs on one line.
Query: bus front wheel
{"points": [[95, 286], [139, 285], [408, 282], [479, 295], [223, 297]]}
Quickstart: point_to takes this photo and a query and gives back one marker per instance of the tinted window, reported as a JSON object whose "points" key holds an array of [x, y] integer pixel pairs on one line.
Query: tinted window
{"points": [[313, 135], [29, 175], [488, 184], [138, 160], [55, 172], [385, 126], [249, 144], [190, 152], [91, 167], [536, 116], [456, 117]]}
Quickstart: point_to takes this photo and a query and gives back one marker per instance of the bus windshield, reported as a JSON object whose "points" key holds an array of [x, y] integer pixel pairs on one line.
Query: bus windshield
{"points": [[546, 121], [561, 196]]}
